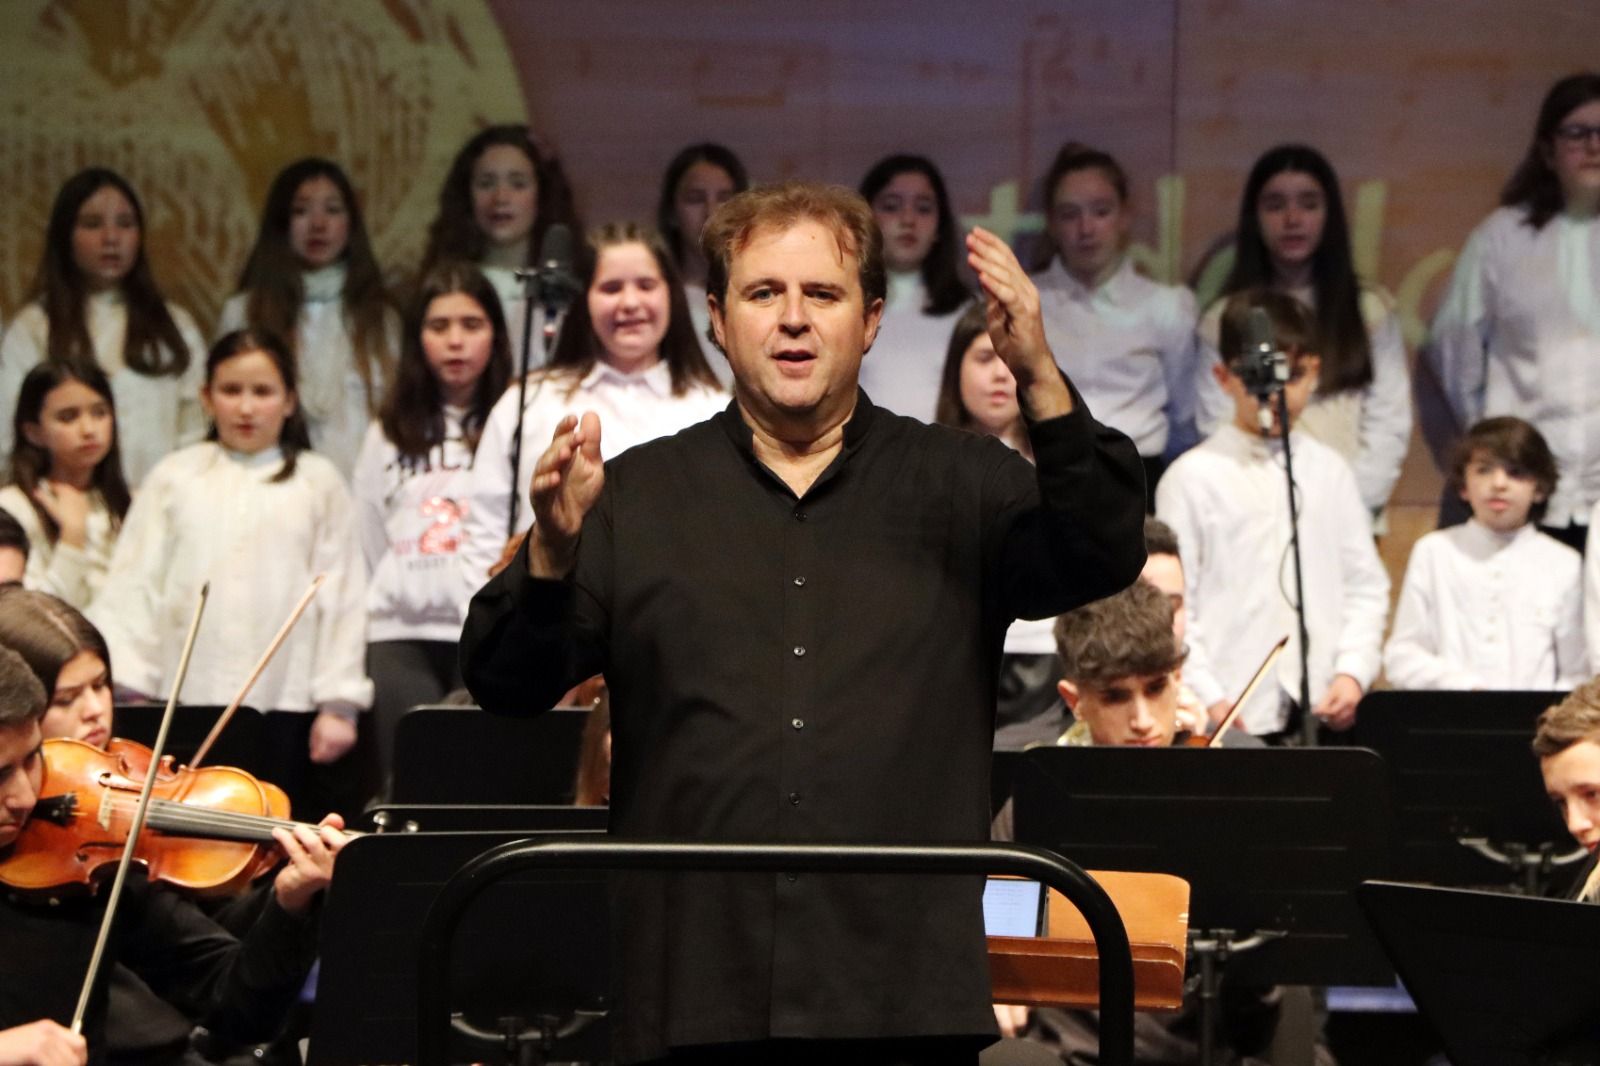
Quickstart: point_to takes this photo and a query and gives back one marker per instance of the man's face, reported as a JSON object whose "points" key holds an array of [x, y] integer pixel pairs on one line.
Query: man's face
{"points": [[1572, 780], [21, 774], [1139, 710], [794, 326]]}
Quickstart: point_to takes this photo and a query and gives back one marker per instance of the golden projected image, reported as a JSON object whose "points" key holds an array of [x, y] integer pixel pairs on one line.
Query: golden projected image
{"points": [[200, 102]]}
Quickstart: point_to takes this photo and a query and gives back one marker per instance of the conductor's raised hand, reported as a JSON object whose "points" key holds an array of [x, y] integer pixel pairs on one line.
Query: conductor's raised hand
{"points": [[1015, 325], [566, 483]]}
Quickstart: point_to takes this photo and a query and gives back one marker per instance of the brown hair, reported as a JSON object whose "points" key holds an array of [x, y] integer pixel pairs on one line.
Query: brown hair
{"points": [[1072, 158], [1159, 538], [1129, 634], [30, 462], [1516, 444], [295, 437], [22, 698], [782, 205], [1572, 721], [1293, 328], [950, 411], [48, 633], [578, 346], [1534, 186]]}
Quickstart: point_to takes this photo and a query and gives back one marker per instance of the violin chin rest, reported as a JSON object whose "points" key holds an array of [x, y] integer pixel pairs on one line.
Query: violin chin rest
{"points": [[57, 810]]}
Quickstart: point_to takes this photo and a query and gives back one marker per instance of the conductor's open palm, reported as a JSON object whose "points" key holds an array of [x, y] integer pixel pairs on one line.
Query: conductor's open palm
{"points": [[566, 482]]}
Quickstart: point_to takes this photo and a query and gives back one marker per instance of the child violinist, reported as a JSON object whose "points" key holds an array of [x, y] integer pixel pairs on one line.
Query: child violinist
{"points": [[312, 280], [95, 301], [411, 484], [255, 513], [68, 492]]}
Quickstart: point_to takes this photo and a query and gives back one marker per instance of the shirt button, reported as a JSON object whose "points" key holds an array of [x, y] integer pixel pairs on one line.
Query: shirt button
{"points": [[794, 799], [800, 582], [799, 651], [798, 723], [799, 516]]}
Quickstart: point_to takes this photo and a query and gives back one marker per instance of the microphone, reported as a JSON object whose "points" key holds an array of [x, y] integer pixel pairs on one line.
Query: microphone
{"points": [[1264, 369], [554, 283]]}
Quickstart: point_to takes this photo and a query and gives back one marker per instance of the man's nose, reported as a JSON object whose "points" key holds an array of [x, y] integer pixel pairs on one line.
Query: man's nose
{"points": [[1142, 720], [794, 319]]}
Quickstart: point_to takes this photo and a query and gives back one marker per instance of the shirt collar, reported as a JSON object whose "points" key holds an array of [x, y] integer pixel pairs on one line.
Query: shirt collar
{"points": [[252, 460], [855, 430], [658, 379], [1483, 541], [325, 284], [1114, 289]]}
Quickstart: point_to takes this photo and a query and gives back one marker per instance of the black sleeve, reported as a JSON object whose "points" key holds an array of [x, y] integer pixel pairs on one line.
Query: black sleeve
{"points": [[1072, 528], [240, 990], [528, 640]]}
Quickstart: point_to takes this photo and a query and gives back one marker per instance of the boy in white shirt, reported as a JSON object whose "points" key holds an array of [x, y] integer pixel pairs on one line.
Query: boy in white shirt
{"points": [[1493, 603], [1228, 502]]}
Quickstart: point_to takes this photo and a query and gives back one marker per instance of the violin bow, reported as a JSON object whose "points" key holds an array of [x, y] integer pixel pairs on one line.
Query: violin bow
{"points": [[98, 957], [260, 668], [1249, 690]]}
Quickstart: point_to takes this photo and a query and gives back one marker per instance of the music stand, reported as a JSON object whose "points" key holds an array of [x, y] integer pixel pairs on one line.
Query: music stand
{"points": [[1469, 800], [464, 755], [530, 969], [482, 818], [239, 745], [1504, 980], [1273, 842]]}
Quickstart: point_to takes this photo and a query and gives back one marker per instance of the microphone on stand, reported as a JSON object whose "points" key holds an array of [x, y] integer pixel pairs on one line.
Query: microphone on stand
{"points": [[553, 285], [1264, 369]]}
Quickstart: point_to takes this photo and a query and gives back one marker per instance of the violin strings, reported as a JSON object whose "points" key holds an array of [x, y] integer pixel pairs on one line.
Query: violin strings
{"points": [[173, 814]]}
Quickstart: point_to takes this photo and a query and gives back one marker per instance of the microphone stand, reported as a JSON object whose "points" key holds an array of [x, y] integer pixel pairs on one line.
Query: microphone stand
{"points": [[537, 288], [1308, 721]]}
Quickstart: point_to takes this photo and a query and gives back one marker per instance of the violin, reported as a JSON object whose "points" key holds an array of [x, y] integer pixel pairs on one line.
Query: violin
{"points": [[210, 829]]}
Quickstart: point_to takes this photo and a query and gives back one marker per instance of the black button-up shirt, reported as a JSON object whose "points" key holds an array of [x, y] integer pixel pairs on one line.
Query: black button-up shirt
{"points": [[808, 669]]}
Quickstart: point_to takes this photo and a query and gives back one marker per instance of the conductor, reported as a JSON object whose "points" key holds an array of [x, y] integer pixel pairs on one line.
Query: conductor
{"points": [[799, 606]]}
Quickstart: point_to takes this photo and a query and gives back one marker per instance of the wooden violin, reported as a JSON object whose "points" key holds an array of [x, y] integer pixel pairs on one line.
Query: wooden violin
{"points": [[210, 829], [1214, 740]]}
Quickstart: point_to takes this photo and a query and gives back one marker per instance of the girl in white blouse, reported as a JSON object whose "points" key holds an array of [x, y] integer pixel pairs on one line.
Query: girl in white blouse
{"points": [[1126, 341], [1519, 330], [257, 515], [699, 179], [95, 300], [502, 194], [313, 281], [67, 490], [922, 248], [627, 352], [1292, 236], [411, 487]]}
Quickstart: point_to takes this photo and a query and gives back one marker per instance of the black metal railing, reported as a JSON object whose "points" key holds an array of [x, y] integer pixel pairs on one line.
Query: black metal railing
{"points": [[1105, 924]]}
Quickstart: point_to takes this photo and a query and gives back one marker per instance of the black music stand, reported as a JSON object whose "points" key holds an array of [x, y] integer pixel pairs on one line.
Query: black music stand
{"points": [[1273, 843], [530, 969], [465, 755], [1469, 801], [1504, 980], [239, 745], [484, 818]]}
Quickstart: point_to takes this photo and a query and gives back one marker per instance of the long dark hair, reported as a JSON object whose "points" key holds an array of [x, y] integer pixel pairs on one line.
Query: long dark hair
{"points": [[295, 437], [30, 463], [413, 415], [578, 347], [666, 206], [950, 411], [454, 232], [47, 632], [1534, 185], [152, 344], [1071, 158], [941, 272], [1341, 339], [272, 280]]}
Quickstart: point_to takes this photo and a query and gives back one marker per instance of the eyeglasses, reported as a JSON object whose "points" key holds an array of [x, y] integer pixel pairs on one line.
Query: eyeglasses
{"points": [[1575, 133]]}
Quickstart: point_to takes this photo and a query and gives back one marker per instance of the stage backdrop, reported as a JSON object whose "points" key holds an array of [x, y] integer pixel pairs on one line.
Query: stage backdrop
{"points": [[1423, 105]]}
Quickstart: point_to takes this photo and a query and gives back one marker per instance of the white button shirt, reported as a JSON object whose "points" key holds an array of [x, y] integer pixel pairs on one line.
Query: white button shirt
{"points": [[1128, 346], [1228, 503], [1519, 334], [903, 369], [1481, 609], [633, 408]]}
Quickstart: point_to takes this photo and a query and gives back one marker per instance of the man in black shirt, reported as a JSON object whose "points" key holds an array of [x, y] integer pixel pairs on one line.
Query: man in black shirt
{"points": [[799, 607]]}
